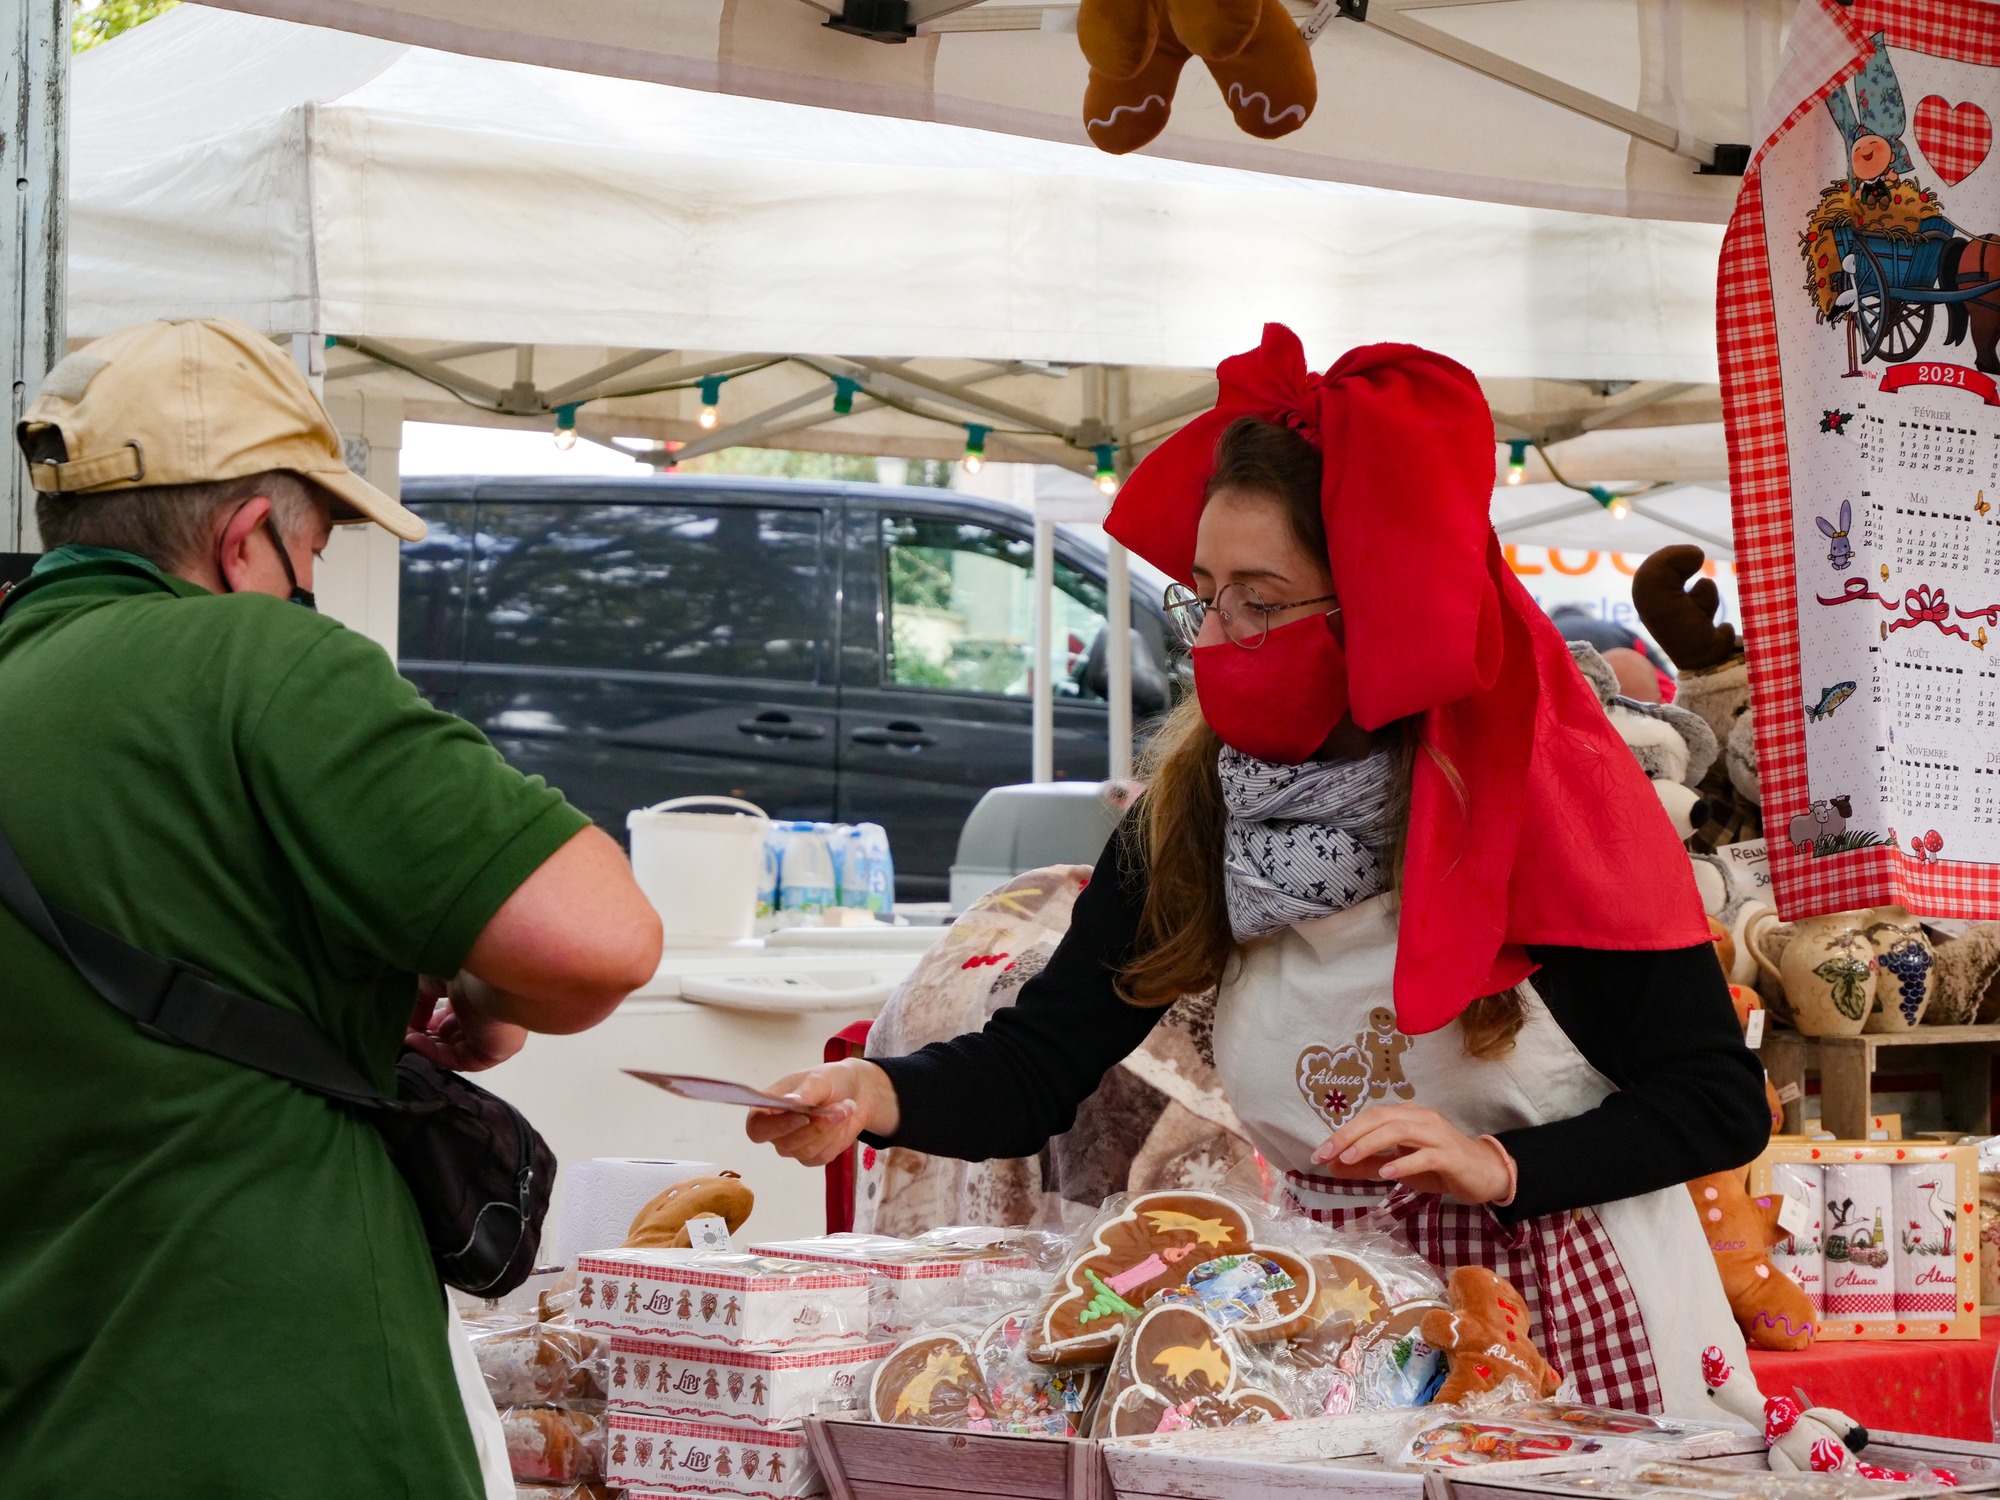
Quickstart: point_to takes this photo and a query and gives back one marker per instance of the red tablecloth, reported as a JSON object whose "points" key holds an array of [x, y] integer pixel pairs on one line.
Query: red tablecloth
{"points": [[1938, 1386]]}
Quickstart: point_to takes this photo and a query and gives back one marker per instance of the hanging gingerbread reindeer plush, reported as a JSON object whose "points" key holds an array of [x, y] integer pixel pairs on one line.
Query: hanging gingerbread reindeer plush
{"points": [[1137, 48]]}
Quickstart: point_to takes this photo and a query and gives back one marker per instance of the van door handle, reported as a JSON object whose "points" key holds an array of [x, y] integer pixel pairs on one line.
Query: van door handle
{"points": [[897, 735], [778, 726]]}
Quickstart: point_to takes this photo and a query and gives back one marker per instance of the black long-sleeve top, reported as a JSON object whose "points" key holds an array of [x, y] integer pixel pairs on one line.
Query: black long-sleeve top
{"points": [[1659, 1025]]}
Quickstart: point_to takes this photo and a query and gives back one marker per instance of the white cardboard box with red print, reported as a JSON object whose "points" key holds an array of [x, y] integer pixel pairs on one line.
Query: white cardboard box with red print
{"points": [[659, 1456], [1897, 1234], [762, 1388], [728, 1300]]}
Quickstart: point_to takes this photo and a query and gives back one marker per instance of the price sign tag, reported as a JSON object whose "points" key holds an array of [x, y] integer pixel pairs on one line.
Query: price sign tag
{"points": [[1789, 1093], [708, 1232], [1753, 1029], [1792, 1217]]}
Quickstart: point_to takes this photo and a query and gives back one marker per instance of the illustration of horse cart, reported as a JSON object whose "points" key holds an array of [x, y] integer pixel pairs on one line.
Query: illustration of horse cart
{"points": [[1899, 281]]}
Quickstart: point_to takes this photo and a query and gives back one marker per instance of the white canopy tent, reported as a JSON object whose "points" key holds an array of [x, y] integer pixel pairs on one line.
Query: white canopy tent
{"points": [[1605, 106], [495, 242]]}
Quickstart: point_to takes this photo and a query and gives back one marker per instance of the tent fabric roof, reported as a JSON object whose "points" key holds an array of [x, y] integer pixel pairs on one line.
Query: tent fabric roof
{"points": [[1394, 109], [310, 180]]}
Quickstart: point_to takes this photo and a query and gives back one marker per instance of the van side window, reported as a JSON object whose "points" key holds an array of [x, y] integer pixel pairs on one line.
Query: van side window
{"points": [[435, 574], [961, 610], [714, 589]]}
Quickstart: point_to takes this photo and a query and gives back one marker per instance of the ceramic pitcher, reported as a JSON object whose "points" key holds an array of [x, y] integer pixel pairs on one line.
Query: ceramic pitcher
{"points": [[1827, 972], [1905, 968]]}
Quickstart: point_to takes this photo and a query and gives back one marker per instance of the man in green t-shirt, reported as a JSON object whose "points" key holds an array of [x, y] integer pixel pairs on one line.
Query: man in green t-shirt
{"points": [[212, 1282]]}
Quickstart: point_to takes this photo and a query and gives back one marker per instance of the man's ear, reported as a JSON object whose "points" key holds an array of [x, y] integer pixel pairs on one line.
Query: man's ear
{"points": [[232, 547]]}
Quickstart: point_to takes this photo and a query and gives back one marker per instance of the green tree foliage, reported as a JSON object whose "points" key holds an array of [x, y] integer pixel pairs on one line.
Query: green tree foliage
{"points": [[94, 21]]}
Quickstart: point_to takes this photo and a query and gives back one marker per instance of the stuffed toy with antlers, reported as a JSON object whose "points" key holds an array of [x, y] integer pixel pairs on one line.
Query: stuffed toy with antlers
{"points": [[1137, 48], [1714, 683]]}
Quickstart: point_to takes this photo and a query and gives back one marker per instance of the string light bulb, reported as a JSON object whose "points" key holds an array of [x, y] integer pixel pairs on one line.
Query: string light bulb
{"points": [[1517, 460], [711, 393], [975, 447], [843, 394], [1107, 468], [565, 427], [1618, 507]]}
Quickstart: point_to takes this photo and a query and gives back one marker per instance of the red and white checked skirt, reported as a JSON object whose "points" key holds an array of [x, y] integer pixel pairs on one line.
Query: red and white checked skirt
{"points": [[1585, 1319]]}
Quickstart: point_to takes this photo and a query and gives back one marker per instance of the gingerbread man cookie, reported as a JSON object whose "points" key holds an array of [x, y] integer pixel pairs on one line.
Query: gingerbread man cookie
{"points": [[1485, 1338]]}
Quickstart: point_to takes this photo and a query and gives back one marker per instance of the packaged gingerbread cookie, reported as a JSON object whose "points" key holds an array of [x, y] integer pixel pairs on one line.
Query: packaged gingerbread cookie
{"points": [[932, 1380], [1211, 1253], [1177, 1369]]}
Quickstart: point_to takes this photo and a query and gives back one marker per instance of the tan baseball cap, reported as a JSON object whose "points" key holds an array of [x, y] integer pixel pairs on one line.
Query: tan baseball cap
{"points": [[190, 403]]}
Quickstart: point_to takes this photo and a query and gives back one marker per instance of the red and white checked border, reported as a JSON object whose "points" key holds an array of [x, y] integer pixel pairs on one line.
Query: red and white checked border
{"points": [[1834, 38]]}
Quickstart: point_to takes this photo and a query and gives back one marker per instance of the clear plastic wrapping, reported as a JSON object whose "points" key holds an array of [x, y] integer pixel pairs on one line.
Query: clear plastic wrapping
{"points": [[528, 1363], [1644, 1478], [553, 1443], [1176, 1368], [916, 1284]]}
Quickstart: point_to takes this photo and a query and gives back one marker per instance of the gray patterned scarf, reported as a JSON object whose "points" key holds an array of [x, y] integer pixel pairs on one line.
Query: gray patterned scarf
{"points": [[1304, 841]]}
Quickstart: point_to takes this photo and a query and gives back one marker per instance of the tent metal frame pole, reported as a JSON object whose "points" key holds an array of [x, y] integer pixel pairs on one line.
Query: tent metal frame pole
{"points": [[1043, 690], [589, 381], [1112, 400], [1385, 16], [751, 427], [34, 142], [978, 406]]}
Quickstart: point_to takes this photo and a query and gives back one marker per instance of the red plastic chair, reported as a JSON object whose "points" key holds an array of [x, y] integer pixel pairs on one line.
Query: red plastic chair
{"points": [[842, 1173]]}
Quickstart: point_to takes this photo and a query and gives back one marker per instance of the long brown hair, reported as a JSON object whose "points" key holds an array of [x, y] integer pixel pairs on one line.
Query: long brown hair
{"points": [[1185, 944]]}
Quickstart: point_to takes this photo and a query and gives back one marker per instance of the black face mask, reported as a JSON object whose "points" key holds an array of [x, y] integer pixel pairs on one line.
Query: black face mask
{"points": [[297, 595]]}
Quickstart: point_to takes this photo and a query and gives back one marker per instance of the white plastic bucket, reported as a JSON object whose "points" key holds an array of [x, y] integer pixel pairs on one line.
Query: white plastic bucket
{"points": [[700, 870]]}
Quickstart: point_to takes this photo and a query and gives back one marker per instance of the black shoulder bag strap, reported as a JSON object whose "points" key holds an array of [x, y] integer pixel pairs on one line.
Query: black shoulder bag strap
{"points": [[177, 1003]]}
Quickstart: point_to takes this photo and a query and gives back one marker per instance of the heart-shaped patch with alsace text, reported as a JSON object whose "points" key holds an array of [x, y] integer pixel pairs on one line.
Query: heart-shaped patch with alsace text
{"points": [[1953, 137]]}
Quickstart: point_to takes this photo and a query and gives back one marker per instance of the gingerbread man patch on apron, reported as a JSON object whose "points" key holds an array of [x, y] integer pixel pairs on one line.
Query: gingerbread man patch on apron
{"points": [[1339, 1082]]}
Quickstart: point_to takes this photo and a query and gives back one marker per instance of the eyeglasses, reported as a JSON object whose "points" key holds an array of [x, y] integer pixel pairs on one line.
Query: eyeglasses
{"points": [[1246, 618]]}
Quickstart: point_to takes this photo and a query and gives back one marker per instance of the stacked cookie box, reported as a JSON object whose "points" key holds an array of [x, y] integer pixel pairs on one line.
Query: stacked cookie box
{"points": [[713, 1359]]}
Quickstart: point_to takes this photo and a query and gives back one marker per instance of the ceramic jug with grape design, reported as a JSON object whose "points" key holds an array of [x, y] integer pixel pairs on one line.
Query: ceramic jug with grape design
{"points": [[1905, 977]]}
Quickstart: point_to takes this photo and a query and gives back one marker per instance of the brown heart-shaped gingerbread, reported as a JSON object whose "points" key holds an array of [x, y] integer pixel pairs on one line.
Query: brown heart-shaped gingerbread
{"points": [[930, 1381]]}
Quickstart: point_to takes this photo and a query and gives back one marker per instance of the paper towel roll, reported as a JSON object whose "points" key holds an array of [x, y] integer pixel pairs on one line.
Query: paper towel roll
{"points": [[1859, 1240], [1926, 1228], [1799, 1255], [601, 1196]]}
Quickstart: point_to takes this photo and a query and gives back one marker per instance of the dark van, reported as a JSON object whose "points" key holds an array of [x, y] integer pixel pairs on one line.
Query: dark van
{"points": [[840, 652]]}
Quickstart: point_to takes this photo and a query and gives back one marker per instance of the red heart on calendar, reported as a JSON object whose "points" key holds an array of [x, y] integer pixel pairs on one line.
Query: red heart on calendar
{"points": [[1955, 137]]}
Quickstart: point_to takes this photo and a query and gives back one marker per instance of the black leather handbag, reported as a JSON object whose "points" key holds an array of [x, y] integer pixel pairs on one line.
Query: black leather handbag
{"points": [[479, 1172]]}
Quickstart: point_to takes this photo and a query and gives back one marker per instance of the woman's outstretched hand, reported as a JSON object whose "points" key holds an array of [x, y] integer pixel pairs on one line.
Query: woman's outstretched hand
{"points": [[861, 1092], [1421, 1149]]}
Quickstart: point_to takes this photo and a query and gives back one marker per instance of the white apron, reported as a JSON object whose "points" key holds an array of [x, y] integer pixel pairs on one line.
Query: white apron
{"points": [[1626, 1295]]}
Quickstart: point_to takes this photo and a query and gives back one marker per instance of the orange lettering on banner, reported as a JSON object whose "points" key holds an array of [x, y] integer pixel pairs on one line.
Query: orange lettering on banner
{"points": [[1618, 562], [1556, 562], [1513, 556]]}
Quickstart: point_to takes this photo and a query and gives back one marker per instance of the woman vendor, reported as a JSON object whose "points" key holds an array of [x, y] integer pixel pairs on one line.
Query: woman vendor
{"points": [[1464, 971]]}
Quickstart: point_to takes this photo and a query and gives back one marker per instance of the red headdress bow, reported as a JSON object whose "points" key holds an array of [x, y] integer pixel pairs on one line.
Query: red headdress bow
{"points": [[1530, 820]]}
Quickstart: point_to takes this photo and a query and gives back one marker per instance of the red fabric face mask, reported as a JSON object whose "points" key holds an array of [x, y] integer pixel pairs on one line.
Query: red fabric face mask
{"points": [[1279, 702]]}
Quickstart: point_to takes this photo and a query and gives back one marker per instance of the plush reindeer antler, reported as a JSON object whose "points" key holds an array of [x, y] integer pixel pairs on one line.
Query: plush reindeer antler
{"points": [[1680, 618]]}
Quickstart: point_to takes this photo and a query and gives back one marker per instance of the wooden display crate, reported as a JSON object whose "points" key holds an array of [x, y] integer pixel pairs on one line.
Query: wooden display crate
{"points": [[868, 1461], [1846, 1066]]}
